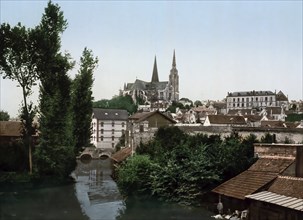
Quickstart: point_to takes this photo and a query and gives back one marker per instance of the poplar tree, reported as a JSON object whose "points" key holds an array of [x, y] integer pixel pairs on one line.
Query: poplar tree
{"points": [[16, 63], [82, 100], [55, 155]]}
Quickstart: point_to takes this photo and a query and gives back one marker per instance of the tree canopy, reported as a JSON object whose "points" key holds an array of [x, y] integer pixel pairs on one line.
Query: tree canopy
{"points": [[117, 102], [4, 116], [184, 168]]}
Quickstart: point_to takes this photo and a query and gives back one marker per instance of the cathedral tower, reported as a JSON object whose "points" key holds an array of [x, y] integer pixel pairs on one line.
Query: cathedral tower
{"points": [[174, 82], [155, 77]]}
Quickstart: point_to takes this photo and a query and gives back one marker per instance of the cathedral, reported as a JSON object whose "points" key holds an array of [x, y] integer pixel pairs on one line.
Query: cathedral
{"points": [[155, 90]]}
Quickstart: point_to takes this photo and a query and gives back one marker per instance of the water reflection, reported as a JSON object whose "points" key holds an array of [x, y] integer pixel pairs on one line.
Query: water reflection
{"points": [[94, 196], [97, 193], [57, 202]]}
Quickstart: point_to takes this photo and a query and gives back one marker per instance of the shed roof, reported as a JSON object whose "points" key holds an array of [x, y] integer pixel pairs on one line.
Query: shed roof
{"points": [[110, 114], [261, 173], [277, 199]]}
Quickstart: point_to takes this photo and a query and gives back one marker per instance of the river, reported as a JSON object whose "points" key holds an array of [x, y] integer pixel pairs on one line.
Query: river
{"points": [[94, 196]]}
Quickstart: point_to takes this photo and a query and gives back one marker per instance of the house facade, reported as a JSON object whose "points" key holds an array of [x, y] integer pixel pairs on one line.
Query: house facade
{"points": [[143, 125], [108, 125]]}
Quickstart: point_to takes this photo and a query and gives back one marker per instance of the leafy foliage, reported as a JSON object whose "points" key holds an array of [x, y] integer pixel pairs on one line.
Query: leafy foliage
{"points": [[134, 178], [117, 102], [183, 167], [294, 117], [172, 108], [4, 116]]}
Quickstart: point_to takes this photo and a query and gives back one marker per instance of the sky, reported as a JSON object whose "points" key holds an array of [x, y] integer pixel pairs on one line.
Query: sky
{"points": [[221, 46]]}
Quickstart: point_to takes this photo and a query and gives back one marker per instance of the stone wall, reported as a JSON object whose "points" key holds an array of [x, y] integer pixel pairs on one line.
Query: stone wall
{"points": [[294, 135]]}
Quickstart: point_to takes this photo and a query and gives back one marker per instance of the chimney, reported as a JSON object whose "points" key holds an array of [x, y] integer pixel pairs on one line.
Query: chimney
{"points": [[299, 162]]}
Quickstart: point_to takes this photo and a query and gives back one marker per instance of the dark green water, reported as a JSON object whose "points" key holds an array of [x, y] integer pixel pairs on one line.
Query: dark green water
{"points": [[93, 196]]}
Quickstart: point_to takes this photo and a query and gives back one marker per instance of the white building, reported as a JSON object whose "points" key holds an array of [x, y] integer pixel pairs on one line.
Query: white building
{"points": [[253, 99], [108, 125]]}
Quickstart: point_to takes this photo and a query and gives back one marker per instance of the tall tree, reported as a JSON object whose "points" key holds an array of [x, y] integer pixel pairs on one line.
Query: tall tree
{"points": [[16, 63], [82, 100], [55, 156]]}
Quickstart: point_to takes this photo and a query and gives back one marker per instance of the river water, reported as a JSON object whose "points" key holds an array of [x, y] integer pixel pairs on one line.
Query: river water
{"points": [[94, 196]]}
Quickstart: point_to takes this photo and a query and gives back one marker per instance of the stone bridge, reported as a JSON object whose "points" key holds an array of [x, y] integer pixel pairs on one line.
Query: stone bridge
{"points": [[93, 153]]}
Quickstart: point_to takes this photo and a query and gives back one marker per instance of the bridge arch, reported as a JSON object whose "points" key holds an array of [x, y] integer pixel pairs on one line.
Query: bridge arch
{"points": [[104, 155]]}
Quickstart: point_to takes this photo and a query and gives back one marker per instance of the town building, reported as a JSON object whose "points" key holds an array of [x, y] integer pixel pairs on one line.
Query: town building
{"points": [[224, 120], [155, 90], [272, 187], [108, 125], [143, 125], [255, 100]]}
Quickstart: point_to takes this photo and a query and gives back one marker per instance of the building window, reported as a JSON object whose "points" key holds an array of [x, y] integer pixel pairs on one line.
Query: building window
{"points": [[123, 131], [101, 138], [242, 99], [102, 131], [102, 124], [123, 124], [113, 123], [265, 99], [238, 99], [113, 131], [113, 145], [113, 138], [234, 99], [94, 131]]}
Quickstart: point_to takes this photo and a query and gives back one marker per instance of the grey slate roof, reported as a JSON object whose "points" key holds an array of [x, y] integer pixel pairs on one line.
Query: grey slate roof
{"points": [[250, 93], [142, 85], [110, 114], [281, 96]]}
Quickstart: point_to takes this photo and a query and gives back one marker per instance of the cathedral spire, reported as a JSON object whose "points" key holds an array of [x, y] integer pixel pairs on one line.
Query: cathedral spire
{"points": [[174, 60], [155, 77]]}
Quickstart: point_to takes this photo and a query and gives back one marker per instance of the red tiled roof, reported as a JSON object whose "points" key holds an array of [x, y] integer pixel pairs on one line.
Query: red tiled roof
{"points": [[122, 154], [244, 184], [274, 165], [255, 178], [288, 186], [226, 119], [141, 116]]}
